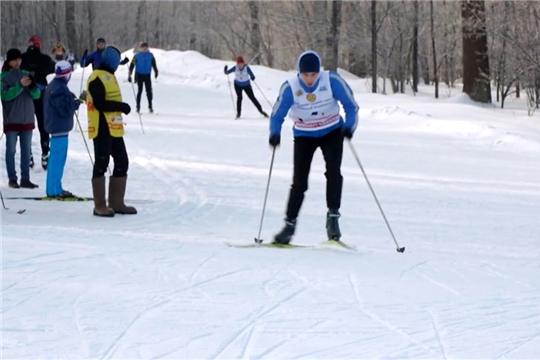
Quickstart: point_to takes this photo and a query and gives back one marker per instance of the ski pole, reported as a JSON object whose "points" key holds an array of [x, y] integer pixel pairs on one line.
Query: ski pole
{"points": [[80, 91], [268, 101], [258, 239], [232, 98], [399, 249], [84, 139], [3, 203], [135, 96]]}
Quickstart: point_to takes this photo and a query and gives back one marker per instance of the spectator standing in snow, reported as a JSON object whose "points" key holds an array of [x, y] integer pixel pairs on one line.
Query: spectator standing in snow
{"points": [[94, 57], [59, 52], [312, 97], [106, 128], [242, 76], [60, 106], [39, 66], [143, 62], [18, 93]]}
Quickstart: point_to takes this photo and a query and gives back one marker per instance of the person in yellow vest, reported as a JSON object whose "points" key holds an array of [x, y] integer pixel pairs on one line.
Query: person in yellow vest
{"points": [[106, 129]]}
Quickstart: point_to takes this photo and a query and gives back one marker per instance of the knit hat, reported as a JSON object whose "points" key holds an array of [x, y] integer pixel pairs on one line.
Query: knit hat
{"points": [[100, 40], [308, 62], [110, 57], [240, 60], [144, 44], [13, 54], [63, 70], [35, 41]]}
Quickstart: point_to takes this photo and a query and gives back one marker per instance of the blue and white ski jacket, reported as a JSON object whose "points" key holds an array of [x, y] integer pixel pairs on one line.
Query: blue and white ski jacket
{"points": [[315, 109]]}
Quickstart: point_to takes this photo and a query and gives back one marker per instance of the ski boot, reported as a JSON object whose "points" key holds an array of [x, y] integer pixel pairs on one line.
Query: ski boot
{"points": [[332, 225], [13, 184], [237, 116], [264, 114], [150, 110], [27, 184], [32, 163], [285, 235]]}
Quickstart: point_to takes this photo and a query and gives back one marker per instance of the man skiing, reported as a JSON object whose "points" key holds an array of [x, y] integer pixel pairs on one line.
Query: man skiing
{"points": [[143, 62], [60, 106], [39, 66], [94, 57], [106, 129], [312, 97], [242, 76]]}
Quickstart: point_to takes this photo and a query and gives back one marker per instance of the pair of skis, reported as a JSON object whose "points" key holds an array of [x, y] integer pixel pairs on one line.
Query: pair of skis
{"points": [[324, 245]]}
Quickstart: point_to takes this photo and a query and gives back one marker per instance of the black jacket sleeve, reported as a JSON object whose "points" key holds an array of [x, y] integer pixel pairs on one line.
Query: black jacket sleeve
{"points": [[154, 65], [51, 65], [97, 91]]}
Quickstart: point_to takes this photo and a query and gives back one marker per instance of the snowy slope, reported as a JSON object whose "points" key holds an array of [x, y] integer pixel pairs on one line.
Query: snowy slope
{"points": [[460, 185]]}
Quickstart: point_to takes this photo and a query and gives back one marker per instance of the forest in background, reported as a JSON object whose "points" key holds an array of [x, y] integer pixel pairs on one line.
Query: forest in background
{"points": [[482, 44]]}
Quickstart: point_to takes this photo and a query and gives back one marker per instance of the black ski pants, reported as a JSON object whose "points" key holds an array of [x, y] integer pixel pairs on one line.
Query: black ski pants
{"points": [[40, 117], [304, 148], [106, 146], [145, 80], [249, 92]]}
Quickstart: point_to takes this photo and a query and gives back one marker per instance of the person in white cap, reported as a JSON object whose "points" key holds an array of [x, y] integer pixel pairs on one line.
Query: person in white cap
{"points": [[60, 105]]}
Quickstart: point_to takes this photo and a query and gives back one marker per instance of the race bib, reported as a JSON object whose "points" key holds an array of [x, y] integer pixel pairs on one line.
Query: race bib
{"points": [[117, 120]]}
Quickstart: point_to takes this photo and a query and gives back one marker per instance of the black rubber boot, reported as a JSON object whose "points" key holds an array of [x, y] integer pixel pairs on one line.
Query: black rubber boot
{"points": [[286, 234], [332, 225]]}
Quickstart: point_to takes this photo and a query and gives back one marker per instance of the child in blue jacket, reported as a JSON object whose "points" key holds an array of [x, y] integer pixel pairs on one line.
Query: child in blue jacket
{"points": [[60, 106]]}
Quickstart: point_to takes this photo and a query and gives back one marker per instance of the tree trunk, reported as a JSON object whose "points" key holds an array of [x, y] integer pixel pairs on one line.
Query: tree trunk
{"points": [[374, 46], [90, 12], [434, 50], [415, 48], [332, 38], [255, 31], [475, 57], [71, 29]]}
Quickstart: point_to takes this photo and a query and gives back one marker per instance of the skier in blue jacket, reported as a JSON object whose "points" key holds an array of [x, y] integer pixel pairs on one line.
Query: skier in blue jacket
{"points": [[312, 97], [94, 57], [60, 105], [143, 62], [242, 76]]}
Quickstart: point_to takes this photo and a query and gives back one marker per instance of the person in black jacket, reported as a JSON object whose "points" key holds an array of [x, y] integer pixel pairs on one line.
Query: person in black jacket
{"points": [[39, 66], [105, 127]]}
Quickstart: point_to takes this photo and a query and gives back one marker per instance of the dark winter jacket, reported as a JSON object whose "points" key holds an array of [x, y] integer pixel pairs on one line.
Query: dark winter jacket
{"points": [[17, 101], [39, 65], [59, 106]]}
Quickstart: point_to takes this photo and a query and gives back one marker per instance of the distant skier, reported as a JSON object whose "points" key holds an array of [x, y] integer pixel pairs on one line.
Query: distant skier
{"points": [[242, 76], [94, 57], [106, 128], [312, 97], [39, 66], [143, 62], [60, 106]]}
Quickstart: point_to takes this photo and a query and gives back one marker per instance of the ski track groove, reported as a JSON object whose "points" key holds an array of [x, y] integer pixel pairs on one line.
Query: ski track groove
{"points": [[514, 348], [201, 265], [18, 281], [435, 282], [437, 334], [412, 267], [376, 318], [260, 314]]}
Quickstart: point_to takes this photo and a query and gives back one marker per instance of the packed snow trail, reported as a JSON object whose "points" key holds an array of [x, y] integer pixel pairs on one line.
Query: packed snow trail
{"points": [[460, 185]]}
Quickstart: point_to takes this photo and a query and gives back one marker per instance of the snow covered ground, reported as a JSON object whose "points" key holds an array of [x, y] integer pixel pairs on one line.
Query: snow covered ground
{"points": [[459, 182]]}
